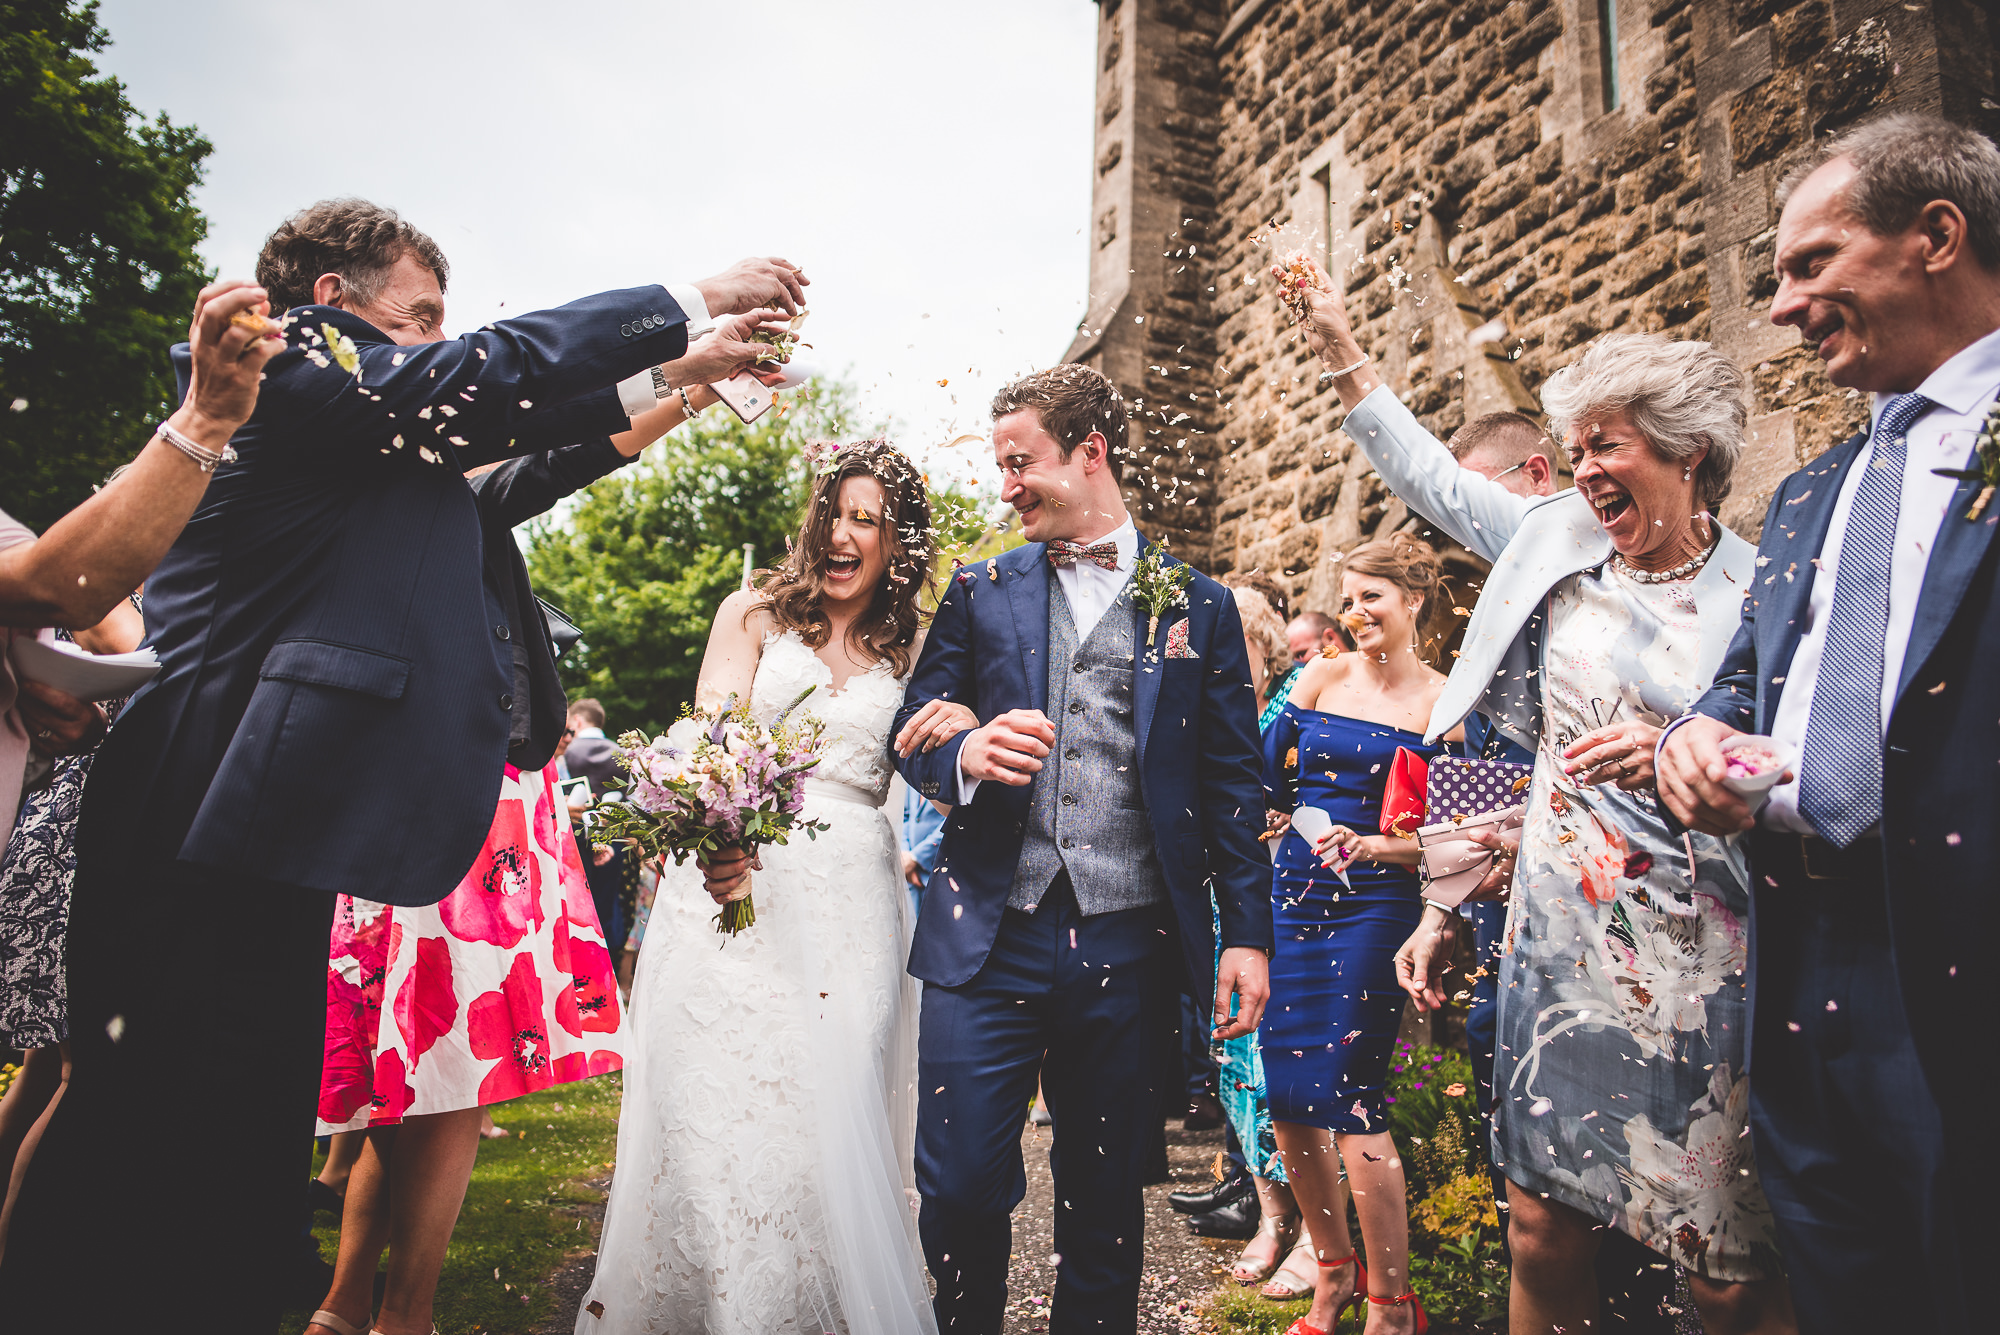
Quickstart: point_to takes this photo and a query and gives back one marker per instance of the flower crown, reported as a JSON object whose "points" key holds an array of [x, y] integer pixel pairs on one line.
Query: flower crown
{"points": [[823, 456]]}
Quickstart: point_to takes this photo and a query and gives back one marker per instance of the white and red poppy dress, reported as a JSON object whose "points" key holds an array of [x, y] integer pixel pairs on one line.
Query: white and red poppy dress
{"points": [[502, 988]]}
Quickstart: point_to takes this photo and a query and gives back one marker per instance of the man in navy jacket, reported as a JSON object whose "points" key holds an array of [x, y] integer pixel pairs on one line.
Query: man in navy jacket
{"points": [[331, 716], [1869, 643], [1113, 783]]}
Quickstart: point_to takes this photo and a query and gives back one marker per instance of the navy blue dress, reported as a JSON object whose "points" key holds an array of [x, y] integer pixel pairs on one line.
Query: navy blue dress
{"points": [[1330, 1028]]}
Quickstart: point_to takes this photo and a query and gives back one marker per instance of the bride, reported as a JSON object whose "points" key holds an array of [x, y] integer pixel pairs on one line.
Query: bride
{"points": [[764, 1146]]}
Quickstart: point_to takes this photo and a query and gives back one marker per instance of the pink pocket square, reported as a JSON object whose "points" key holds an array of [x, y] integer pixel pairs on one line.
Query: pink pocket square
{"points": [[1177, 645]]}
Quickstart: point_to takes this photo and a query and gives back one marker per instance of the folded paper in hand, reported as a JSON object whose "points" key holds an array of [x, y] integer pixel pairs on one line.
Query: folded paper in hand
{"points": [[1312, 825], [62, 666]]}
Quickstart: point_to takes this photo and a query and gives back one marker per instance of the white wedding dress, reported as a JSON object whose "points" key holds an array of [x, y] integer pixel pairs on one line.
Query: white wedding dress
{"points": [[762, 1181]]}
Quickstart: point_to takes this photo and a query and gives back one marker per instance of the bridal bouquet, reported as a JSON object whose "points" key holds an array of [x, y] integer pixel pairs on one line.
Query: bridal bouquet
{"points": [[714, 780]]}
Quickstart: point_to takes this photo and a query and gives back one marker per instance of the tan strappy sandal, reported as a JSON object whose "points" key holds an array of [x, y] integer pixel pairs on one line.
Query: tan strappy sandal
{"points": [[1282, 1231], [338, 1324], [1297, 1275]]}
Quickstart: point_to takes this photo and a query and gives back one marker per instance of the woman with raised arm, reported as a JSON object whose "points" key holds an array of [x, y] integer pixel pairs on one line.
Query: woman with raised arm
{"points": [[764, 1149], [1619, 1090]]}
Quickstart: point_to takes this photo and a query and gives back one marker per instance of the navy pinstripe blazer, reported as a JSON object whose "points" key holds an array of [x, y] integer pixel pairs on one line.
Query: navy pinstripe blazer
{"points": [[332, 706]]}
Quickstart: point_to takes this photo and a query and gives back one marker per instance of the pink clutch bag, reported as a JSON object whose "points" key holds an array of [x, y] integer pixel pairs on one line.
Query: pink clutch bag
{"points": [[1454, 865]]}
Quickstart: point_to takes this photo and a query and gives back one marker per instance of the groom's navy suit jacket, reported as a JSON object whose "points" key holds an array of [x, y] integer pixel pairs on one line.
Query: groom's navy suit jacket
{"points": [[1196, 726], [332, 709], [1941, 765]]}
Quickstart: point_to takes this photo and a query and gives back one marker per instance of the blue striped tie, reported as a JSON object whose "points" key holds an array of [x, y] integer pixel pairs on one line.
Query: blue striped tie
{"points": [[1840, 775]]}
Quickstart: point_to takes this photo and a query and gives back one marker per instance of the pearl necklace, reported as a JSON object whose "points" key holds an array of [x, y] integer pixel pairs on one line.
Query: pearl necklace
{"points": [[1681, 571]]}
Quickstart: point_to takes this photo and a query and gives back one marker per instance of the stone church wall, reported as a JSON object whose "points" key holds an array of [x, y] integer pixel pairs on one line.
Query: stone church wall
{"points": [[1497, 183]]}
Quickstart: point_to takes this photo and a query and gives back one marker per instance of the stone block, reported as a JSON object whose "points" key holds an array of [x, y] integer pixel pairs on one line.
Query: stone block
{"points": [[1737, 210], [1769, 455], [1299, 549], [1515, 139], [1850, 79], [1764, 122], [1742, 64], [1801, 33]]}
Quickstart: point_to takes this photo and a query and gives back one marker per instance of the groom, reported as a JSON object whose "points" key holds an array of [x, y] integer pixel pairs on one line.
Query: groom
{"points": [[1114, 782]]}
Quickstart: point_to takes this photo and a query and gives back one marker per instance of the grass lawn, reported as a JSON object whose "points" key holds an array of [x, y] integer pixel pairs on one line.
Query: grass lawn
{"points": [[523, 1214]]}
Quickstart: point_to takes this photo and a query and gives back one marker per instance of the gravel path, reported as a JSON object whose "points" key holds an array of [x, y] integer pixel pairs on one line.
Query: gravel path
{"points": [[1180, 1268]]}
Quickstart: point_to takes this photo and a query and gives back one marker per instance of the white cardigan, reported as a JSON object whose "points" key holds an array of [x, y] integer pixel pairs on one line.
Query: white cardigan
{"points": [[1534, 543]]}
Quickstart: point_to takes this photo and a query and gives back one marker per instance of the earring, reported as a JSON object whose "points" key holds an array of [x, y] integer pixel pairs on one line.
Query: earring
{"points": [[1687, 474]]}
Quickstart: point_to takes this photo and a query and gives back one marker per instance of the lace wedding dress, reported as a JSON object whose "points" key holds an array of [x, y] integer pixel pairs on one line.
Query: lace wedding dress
{"points": [[764, 1146]]}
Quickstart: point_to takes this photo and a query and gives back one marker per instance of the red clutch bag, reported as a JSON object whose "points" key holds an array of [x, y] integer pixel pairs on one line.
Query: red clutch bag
{"points": [[1403, 797]]}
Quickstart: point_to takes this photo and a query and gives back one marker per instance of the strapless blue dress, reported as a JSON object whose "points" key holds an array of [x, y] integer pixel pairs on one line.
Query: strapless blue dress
{"points": [[1330, 1028]]}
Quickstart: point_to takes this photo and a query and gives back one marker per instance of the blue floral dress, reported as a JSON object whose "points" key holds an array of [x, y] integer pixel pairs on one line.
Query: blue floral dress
{"points": [[1618, 1079]]}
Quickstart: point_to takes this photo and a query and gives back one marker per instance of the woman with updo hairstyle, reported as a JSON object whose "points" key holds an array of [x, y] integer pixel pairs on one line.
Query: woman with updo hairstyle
{"points": [[1342, 905]]}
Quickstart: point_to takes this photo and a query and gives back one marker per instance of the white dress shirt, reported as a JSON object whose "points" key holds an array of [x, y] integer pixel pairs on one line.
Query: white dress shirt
{"points": [[637, 393], [1962, 391], [1090, 589]]}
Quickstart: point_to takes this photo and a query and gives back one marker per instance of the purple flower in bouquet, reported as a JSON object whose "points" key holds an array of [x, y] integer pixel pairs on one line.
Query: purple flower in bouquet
{"points": [[717, 779]]}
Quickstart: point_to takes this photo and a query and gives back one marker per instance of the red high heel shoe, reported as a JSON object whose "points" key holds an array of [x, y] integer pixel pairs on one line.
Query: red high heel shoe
{"points": [[1423, 1321], [1354, 1299]]}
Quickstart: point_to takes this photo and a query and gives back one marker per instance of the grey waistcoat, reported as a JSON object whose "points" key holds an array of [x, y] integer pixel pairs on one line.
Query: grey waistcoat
{"points": [[1086, 810]]}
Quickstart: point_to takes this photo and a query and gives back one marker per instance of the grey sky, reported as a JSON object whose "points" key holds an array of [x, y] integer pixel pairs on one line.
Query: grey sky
{"points": [[927, 163]]}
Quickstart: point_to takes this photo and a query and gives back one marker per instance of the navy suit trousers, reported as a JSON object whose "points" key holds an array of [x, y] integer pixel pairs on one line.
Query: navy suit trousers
{"points": [[1088, 1003], [1850, 1145], [197, 1011]]}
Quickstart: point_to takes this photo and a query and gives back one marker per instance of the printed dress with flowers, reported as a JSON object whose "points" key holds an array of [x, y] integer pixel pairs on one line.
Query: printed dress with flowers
{"points": [[502, 988], [1618, 1081]]}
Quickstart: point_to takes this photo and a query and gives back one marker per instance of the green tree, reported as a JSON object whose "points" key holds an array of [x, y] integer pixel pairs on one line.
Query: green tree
{"points": [[98, 271], [643, 558]]}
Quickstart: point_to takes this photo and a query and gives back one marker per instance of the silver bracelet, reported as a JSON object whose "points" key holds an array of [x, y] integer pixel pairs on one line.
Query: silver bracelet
{"points": [[204, 458], [661, 389], [1345, 370], [687, 404]]}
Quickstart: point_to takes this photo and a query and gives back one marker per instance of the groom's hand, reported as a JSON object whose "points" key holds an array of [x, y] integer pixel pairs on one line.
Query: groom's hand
{"points": [[1246, 973], [1008, 750]]}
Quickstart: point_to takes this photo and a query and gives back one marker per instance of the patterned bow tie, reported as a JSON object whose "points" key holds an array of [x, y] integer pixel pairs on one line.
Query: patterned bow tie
{"points": [[1062, 553]]}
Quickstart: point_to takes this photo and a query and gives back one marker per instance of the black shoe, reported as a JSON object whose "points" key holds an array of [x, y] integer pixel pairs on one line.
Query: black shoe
{"points": [[324, 1199], [1204, 1113], [1238, 1219], [1222, 1193]]}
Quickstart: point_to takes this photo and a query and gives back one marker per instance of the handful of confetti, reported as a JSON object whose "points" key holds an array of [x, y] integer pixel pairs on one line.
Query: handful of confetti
{"points": [[780, 342], [1297, 277], [263, 326], [717, 779]]}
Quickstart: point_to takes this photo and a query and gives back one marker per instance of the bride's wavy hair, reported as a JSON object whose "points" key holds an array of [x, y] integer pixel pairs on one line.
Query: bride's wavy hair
{"points": [[794, 588]]}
